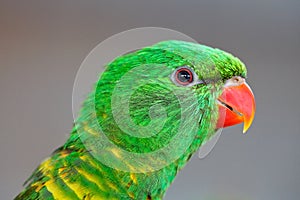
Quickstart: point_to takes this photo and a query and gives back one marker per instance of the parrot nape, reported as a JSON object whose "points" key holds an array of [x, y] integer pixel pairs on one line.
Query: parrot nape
{"points": [[156, 106]]}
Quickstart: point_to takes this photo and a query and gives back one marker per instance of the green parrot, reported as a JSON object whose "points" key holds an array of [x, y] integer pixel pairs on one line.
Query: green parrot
{"points": [[150, 110]]}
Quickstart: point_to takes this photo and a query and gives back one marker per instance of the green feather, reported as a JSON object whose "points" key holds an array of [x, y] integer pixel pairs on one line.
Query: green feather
{"points": [[147, 104]]}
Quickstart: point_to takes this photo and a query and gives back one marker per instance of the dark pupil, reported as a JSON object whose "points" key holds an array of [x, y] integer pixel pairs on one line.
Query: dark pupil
{"points": [[184, 76]]}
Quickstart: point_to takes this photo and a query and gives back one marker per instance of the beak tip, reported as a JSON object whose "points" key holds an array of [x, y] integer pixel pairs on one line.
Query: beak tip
{"points": [[247, 124]]}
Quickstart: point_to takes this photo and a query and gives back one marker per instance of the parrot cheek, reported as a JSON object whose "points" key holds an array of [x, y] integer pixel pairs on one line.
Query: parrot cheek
{"points": [[236, 105]]}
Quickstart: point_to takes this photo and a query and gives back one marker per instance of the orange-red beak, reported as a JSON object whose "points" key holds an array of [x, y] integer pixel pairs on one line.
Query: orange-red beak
{"points": [[236, 104]]}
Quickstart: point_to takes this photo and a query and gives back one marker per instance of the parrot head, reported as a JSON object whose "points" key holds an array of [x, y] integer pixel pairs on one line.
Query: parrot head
{"points": [[173, 96], [207, 67]]}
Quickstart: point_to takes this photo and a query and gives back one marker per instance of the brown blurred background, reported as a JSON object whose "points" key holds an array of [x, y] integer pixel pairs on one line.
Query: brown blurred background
{"points": [[42, 44]]}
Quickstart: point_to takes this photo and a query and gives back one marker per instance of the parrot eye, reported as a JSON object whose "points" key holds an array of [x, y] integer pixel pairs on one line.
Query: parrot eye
{"points": [[183, 76]]}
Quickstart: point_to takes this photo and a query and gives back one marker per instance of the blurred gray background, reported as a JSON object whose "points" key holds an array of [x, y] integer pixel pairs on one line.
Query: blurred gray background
{"points": [[42, 44]]}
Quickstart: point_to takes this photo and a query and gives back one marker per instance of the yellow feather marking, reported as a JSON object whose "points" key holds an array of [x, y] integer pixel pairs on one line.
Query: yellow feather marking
{"points": [[64, 154], [38, 186], [91, 178], [94, 165], [133, 178], [51, 186], [55, 190], [47, 165], [73, 185]]}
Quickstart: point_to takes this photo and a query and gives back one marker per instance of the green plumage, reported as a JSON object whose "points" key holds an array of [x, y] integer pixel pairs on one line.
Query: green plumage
{"points": [[82, 168]]}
